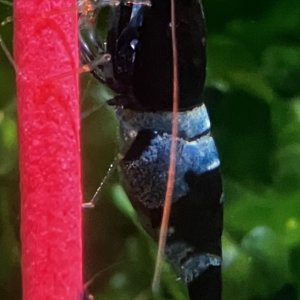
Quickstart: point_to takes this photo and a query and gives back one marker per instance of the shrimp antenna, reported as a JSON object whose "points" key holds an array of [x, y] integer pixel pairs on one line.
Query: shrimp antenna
{"points": [[7, 53], [2, 44], [172, 167]]}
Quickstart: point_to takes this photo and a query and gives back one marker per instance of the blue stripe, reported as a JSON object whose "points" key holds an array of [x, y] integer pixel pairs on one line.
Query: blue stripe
{"points": [[191, 123]]}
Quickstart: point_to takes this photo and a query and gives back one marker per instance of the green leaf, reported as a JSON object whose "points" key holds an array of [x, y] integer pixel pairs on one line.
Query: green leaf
{"points": [[269, 261]]}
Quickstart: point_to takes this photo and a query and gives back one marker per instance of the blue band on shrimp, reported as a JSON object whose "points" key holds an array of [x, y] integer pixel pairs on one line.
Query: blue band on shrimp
{"points": [[189, 264], [191, 123], [146, 168]]}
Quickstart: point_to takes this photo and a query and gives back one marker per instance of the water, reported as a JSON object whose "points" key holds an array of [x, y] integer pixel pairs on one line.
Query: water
{"points": [[248, 45]]}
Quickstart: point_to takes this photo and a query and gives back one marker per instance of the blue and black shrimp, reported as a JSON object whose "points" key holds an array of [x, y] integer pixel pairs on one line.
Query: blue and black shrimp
{"points": [[136, 63]]}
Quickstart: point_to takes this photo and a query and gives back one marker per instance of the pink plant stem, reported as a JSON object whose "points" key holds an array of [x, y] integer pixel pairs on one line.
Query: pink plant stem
{"points": [[46, 46]]}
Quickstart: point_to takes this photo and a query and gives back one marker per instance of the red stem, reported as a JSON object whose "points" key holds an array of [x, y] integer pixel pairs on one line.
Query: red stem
{"points": [[48, 111]]}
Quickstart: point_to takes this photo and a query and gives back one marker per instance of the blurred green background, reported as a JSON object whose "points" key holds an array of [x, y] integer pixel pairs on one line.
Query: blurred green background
{"points": [[253, 96]]}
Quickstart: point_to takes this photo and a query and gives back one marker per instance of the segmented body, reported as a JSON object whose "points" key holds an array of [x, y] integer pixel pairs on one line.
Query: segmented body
{"points": [[138, 66]]}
